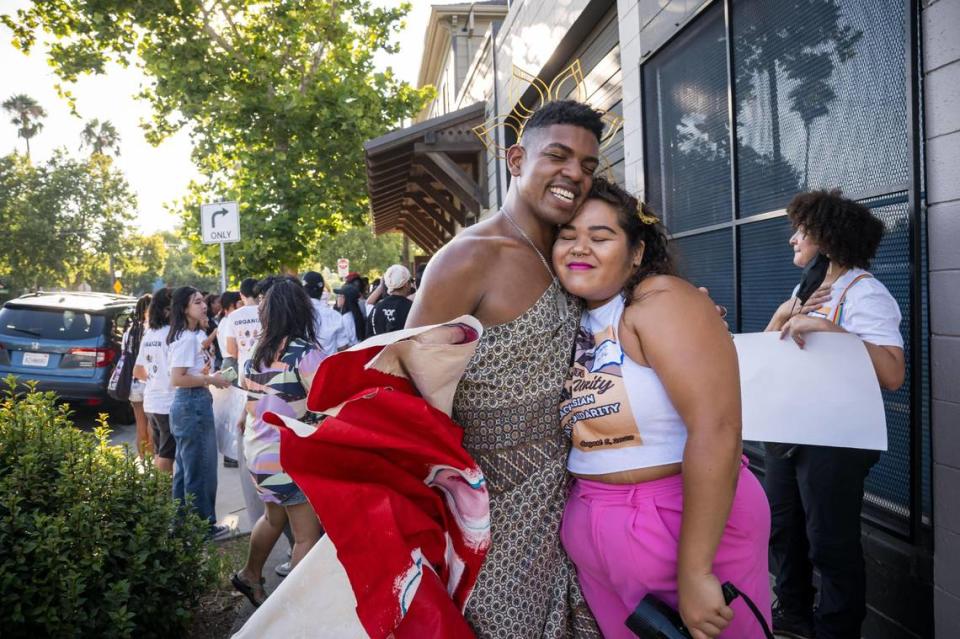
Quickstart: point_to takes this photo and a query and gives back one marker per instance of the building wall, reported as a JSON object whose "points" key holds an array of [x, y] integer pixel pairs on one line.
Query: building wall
{"points": [[628, 13], [478, 87], [459, 56], [941, 77], [529, 36], [465, 46], [899, 573]]}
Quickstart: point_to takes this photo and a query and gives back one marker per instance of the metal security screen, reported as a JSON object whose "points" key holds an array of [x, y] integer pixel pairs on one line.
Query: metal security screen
{"points": [[707, 260], [820, 100], [687, 135], [814, 80]]}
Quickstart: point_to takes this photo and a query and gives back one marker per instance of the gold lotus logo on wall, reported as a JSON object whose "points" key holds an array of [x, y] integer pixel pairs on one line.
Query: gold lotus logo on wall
{"points": [[569, 84]]}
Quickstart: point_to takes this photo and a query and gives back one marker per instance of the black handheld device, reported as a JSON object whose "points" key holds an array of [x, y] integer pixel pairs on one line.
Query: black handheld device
{"points": [[653, 619], [812, 277]]}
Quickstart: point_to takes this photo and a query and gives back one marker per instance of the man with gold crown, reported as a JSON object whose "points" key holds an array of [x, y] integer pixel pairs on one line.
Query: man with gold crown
{"points": [[499, 272]]}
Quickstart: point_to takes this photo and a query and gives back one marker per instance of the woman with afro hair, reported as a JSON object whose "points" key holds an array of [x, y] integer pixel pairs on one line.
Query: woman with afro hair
{"points": [[816, 492]]}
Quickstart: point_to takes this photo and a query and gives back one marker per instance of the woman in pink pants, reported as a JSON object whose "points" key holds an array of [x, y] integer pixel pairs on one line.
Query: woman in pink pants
{"points": [[662, 502]]}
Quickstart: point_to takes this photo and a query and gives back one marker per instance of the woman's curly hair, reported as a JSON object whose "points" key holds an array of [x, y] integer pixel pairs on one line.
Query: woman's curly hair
{"points": [[639, 224], [846, 231]]}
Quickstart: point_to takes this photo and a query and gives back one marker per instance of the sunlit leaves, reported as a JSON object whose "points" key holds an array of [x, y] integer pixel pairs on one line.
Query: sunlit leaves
{"points": [[279, 97]]}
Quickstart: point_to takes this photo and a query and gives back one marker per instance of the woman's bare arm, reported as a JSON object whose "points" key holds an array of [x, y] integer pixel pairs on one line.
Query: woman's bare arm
{"points": [[179, 378], [687, 344]]}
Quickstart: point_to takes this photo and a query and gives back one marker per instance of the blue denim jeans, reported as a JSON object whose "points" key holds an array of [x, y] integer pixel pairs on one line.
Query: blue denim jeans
{"points": [[195, 472]]}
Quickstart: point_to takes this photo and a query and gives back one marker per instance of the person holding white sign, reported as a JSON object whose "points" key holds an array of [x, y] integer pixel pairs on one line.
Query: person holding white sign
{"points": [[816, 492]]}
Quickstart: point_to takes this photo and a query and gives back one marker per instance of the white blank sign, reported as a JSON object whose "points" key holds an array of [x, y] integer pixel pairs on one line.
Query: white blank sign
{"points": [[825, 394]]}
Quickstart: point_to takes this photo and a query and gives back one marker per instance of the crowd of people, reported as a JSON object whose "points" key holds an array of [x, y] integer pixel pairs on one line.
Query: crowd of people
{"points": [[602, 405], [208, 366]]}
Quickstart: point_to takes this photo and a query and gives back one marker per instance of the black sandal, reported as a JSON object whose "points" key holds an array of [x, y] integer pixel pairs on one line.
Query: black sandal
{"points": [[246, 589]]}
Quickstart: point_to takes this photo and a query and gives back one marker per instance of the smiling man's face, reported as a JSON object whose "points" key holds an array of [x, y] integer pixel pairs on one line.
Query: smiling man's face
{"points": [[554, 167]]}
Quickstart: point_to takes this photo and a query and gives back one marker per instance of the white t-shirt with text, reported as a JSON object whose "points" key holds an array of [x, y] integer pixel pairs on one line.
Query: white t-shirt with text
{"points": [[242, 325], [157, 392], [869, 310]]}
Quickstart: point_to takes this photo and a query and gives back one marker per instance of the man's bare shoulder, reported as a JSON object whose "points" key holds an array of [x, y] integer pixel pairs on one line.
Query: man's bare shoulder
{"points": [[473, 250], [458, 277]]}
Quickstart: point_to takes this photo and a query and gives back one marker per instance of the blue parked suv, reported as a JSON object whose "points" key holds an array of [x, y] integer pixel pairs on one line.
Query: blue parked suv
{"points": [[65, 342]]}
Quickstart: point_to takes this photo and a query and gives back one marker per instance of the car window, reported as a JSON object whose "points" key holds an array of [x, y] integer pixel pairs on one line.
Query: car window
{"points": [[120, 321], [50, 324]]}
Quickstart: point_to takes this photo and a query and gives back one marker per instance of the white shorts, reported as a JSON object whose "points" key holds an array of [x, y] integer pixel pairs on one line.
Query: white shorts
{"points": [[136, 391]]}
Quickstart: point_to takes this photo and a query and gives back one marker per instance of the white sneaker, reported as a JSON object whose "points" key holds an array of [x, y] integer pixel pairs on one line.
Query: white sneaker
{"points": [[283, 569]]}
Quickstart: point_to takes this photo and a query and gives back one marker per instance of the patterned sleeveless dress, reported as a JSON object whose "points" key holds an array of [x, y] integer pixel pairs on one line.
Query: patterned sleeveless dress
{"points": [[507, 404]]}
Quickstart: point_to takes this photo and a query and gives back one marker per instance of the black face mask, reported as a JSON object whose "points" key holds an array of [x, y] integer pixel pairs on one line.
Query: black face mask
{"points": [[812, 277]]}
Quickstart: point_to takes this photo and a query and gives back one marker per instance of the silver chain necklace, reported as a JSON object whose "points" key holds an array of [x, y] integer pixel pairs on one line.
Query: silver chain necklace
{"points": [[560, 298]]}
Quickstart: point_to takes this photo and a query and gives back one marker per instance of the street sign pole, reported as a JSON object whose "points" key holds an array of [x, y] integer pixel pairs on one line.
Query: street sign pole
{"points": [[223, 268]]}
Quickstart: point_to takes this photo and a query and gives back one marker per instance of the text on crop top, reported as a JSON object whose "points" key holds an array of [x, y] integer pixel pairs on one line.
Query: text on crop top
{"points": [[616, 412]]}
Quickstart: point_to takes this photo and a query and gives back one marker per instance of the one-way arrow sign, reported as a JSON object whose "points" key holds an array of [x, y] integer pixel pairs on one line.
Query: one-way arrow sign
{"points": [[220, 222]]}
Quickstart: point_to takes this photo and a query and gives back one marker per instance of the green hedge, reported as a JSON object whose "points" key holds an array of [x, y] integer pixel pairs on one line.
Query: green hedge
{"points": [[91, 543]]}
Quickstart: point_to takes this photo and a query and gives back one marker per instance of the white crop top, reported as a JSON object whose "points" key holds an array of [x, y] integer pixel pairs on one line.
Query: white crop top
{"points": [[616, 412]]}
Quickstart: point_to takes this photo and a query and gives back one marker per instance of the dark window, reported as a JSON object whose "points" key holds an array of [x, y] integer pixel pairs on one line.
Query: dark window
{"points": [[813, 81], [888, 485], [687, 135], [707, 260], [50, 324], [119, 324], [767, 273]]}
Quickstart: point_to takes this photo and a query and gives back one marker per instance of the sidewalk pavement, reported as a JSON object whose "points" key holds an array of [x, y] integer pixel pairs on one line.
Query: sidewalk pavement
{"points": [[231, 508]]}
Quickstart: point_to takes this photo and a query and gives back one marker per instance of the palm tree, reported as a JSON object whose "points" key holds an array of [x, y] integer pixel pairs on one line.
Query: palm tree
{"points": [[101, 137], [26, 116]]}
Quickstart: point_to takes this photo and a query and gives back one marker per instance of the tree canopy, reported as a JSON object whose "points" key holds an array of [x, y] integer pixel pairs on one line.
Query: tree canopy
{"points": [[367, 253], [278, 96], [61, 219]]}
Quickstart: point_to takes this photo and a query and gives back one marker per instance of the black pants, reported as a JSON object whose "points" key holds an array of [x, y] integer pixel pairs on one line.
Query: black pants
{"points": [[815, 500]]}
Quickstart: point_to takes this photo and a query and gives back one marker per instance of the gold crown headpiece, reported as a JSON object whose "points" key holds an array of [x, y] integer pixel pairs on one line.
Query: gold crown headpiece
{"points": [[568, 84], [645, 217]]}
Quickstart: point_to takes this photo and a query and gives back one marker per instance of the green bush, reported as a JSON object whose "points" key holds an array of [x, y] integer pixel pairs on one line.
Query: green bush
{"points": [[91, 543]]}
